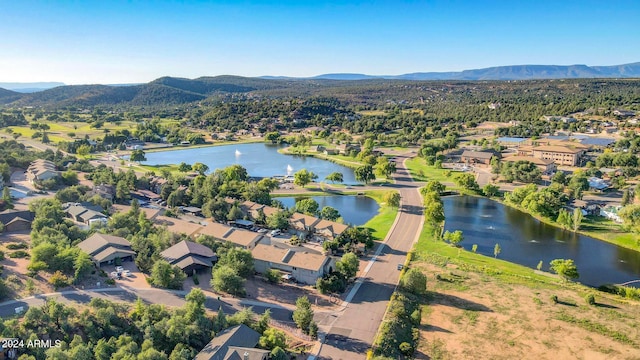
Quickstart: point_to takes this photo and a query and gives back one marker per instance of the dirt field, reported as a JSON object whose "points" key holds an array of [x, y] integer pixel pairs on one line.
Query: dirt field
{"points": [[475, 316]]}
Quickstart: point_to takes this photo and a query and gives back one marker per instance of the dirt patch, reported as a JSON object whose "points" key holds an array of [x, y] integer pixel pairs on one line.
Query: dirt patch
{"points": [[285, 293], [471, 316]]}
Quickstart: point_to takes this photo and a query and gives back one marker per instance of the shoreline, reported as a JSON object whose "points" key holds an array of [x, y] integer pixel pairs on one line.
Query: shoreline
{"points": [[556, 225], [351, 165]]}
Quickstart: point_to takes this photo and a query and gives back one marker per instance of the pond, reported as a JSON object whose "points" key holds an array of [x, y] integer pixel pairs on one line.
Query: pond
{"points": [[525, 240], [260, 160], [355, 210]]}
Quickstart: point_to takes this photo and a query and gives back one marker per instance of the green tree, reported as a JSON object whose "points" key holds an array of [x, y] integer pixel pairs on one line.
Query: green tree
{"points": [[167, 276], [303, 314], [138, 156], [273, 136], [392, 198], [490, 190], [433, 186], [335, 177], [6, 195], [565, 268], [467, 181], [348, 265], [384, 167], [307, 206], [364, 174], [577, 219], [329, 213], [278, 354], [564, 219], [454, 238], [273, 338], [497, 250], [304, 177], [240, 260], [200, 168], [414, 281], [184, 167], [226, 279], [278, 220], [234, 213], [83, 150], [82, 265]]}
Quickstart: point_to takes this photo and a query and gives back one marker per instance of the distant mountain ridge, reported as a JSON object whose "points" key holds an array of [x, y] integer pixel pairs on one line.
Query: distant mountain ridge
{"points": [[513, 72], [173, 91]]}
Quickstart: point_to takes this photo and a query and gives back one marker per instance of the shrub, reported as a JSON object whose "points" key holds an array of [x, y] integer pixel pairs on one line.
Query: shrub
{"points": [[59, 280], [554, 299], [313, 330], [196, 280], [19, 254], [1, 255], [112, 281], [272, 276], [17, 246], [590, 299]]}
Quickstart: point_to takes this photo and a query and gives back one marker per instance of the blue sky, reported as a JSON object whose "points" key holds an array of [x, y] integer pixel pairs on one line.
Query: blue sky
{"points": [[80, 42]]}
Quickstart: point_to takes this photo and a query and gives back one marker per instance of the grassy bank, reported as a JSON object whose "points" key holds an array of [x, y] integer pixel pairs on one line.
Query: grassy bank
{"points": [[596, 227], [477, 304], [338, 159], [381, 223], [208, 144]]}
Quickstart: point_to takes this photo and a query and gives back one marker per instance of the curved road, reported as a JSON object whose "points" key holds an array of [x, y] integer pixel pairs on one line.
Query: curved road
{"points": [[348, 334]]}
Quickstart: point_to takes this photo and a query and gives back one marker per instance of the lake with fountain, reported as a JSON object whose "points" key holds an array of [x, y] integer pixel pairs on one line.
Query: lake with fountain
{"points": [[355, 210], [525, 240], [260, 160]]}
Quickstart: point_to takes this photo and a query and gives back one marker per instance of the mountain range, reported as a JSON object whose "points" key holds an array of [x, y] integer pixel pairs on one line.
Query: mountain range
{"points": [[171, 90]]}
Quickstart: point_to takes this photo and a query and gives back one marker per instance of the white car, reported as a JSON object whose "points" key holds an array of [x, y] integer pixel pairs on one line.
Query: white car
{"points": [[119, 269], [127, 273], [275, 233]]}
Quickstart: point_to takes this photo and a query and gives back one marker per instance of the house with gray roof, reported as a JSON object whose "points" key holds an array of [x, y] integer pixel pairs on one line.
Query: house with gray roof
{"points": [[85, 213], [105, 249], [190, 256], [14, 220], [236, 343]]}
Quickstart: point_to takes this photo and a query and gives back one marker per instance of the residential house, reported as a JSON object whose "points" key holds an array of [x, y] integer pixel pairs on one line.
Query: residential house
{"points": [[253, 209], [237, 237], [598, 184], [236, 343], [611, 213], [478, 157], [156, 183], [106, 249], [192, 210], [302, 225], [190, 257], [304, 266], [545, 165], [145, 195], [85, 213], [134, 144], [328, 230], [105, 191], [41, 170], [177, 226], [345, 149], [14, 220], [598, 142]]}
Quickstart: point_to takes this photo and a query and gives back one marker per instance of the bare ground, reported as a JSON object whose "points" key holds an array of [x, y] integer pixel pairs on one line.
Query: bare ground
{"points": [[474, 316]]}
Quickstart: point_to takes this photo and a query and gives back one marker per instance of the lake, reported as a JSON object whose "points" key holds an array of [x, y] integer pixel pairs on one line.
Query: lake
{"points": [[260, 160], [355, 210], [525, 240]]}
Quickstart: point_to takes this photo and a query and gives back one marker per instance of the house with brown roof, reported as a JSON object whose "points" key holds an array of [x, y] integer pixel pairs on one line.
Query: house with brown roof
{"points": [[305, 266], [328, 230], [41, 170], [546, 166], [237, 237], [177, 226], [236, 343], [302, 225], [106, 249], [14, 220], [478, 157], [190, 256]]}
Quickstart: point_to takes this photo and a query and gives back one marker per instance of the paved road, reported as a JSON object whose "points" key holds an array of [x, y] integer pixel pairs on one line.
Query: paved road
{"points": [[351, 332], [152, 296]]}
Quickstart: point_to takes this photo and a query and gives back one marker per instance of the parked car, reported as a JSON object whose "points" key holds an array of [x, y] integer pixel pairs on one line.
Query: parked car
{"points": [[263, 231], [400, 266], [275, 232], [127, 273], [288, 277], [119, 269]]}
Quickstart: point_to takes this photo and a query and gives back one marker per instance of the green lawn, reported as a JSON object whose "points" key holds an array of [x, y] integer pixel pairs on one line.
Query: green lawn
{"points": [[438, 252], [609, 231], [381, 223]]}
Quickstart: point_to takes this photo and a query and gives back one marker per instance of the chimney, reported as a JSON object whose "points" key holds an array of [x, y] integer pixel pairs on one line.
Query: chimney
{"points": [[246, 355]]}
